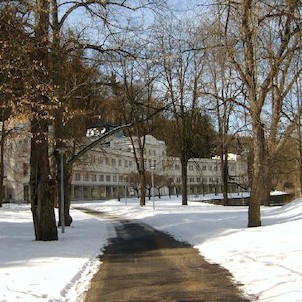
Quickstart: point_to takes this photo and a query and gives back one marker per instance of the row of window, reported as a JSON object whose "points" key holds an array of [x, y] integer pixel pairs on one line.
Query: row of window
{"points": [[154, 153], [115, 162], [120, 178], [98, 177], [196, 167], [204, 180]]}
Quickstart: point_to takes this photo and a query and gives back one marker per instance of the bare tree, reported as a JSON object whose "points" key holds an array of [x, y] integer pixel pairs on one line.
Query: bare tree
{"points": [[51, 22], [41, 183], [113, 22], [160, 181], [261, 41], [134, 180], [135, 102], [183, 66], [223, 92]]}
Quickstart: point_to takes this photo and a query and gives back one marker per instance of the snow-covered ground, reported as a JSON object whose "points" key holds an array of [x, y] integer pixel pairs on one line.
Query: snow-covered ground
{"points": [[266, 260]]}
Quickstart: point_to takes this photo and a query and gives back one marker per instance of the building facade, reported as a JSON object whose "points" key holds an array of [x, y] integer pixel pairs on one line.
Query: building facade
{"points": [[103, 172]]}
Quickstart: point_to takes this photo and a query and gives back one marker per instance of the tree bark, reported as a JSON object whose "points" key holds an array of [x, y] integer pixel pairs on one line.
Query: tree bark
{"points": [[57, 79], [142, 200], [184, 180], [259, 188], [67, 188], [2, 161], [225, 177], [41, 185]]}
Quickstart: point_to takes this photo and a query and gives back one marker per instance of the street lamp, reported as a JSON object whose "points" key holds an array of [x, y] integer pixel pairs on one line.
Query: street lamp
{"points": [[152, 180], [61, 205], [125, 188]]}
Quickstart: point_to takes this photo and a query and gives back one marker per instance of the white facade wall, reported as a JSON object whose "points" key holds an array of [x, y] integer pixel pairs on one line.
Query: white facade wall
{"points": [[16, 169], [102, 172]]}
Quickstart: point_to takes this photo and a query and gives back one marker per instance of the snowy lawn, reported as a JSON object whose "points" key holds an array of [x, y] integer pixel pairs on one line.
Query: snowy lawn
{"points": [[47, 271], [266, 260]]}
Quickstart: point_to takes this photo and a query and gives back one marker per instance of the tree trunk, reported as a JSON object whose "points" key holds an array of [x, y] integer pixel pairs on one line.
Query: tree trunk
{"points": [[42, 187], [2, 162], [225, 177], [67, 189], [299, 161], [59, 127], [184, 180], [143, 186], [259, 183], [267, 182], [67, 194]]}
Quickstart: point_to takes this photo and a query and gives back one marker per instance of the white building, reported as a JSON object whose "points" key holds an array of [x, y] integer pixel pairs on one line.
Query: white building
{"points": [[103, 171], [16, 169]]}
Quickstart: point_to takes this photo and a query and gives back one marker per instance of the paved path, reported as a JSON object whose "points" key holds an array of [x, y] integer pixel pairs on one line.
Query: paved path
{"points": [[142, 264]]}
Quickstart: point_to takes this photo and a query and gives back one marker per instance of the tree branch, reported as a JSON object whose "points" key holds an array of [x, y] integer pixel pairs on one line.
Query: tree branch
{"points": [[108, 134]]}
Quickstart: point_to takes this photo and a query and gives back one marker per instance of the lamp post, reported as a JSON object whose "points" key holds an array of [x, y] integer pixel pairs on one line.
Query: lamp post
{"points": [[125, 188], [62, 203], [152, 181]]}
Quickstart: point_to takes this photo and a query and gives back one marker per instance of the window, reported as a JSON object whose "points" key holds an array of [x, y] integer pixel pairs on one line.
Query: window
{"points": [[108, 177], [25, 169], [120, 162], [204, 168], [113, 162], [210, 168], [101, 177], [107, 161], [86, 177], [93, 177], [77, 176], [114, 178]]}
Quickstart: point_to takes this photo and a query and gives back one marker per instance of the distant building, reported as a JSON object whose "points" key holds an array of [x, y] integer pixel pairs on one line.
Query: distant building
{"points": [[103, 171]]}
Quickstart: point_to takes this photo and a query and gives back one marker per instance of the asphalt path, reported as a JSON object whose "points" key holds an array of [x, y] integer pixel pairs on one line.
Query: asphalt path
{"points": [[143, 264]]}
